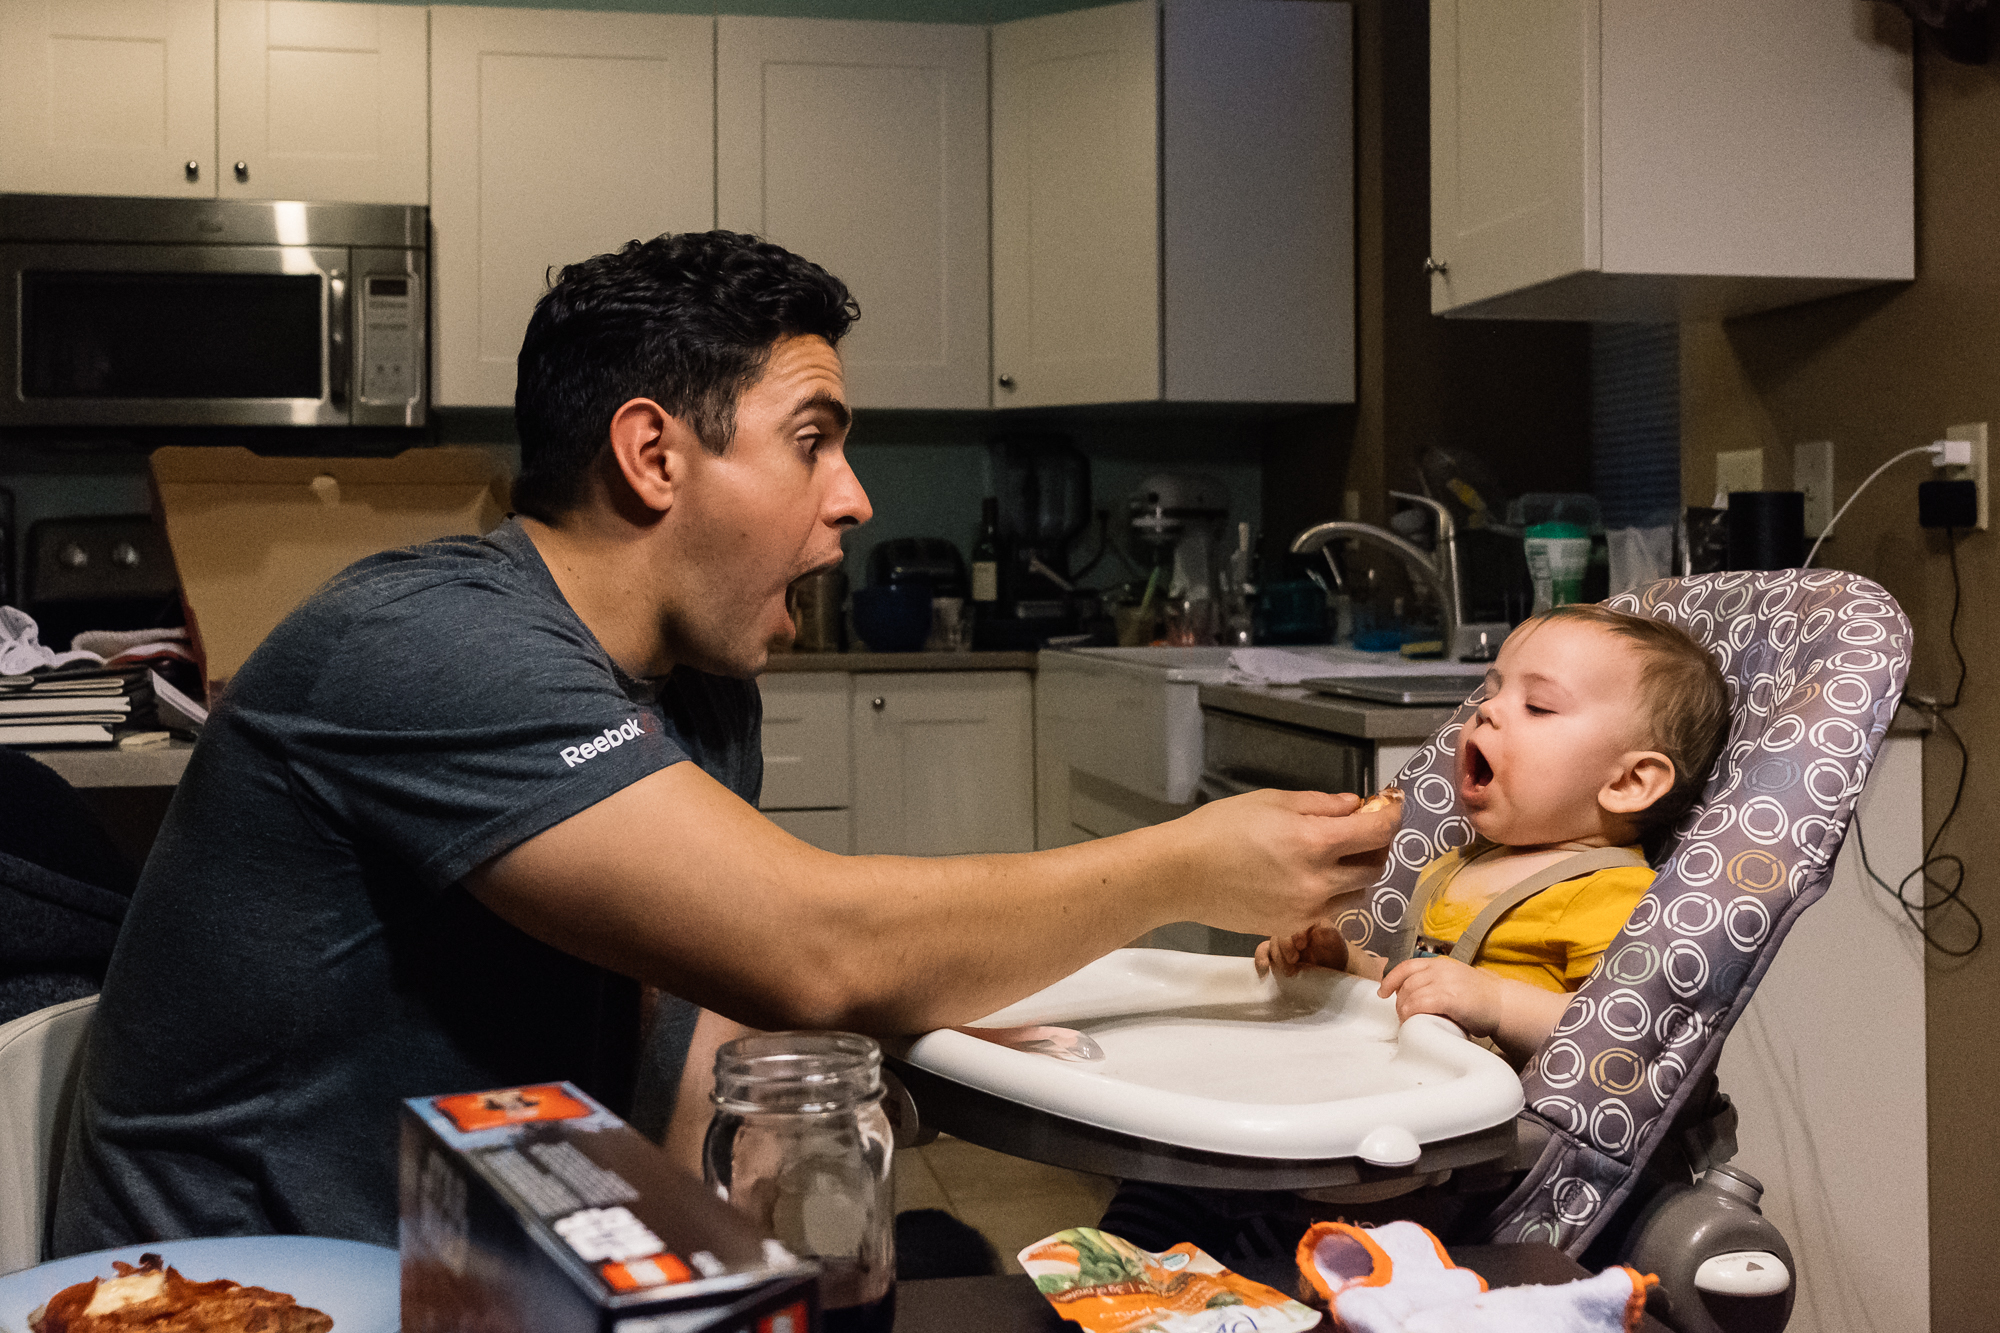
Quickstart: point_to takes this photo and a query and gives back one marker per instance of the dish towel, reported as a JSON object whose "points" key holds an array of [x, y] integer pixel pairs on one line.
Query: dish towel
{"points": [[1398, 1279], [21, 649]]}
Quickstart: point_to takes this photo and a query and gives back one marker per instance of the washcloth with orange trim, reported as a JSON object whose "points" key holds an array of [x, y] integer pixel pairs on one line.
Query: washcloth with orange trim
{"points": [[1398, 1279]]}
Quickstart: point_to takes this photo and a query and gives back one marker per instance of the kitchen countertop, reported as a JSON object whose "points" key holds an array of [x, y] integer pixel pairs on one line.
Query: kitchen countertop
{"points": [[1296, 706], [920, 661]]}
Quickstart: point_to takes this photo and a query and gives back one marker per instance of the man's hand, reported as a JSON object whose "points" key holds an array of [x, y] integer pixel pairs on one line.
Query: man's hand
{"points": [[1518, 1016], [1270, 862]]}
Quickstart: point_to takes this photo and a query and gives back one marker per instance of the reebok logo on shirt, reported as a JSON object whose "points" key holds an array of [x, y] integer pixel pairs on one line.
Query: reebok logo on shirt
{"points": [[612, 738]]}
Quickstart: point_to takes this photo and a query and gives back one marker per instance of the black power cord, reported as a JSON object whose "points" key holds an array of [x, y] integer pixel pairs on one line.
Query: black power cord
{"points": [[1943, 876]]}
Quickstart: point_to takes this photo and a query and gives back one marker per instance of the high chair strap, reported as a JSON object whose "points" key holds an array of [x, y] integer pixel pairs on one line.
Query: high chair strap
{"points": [[1474, 936]]}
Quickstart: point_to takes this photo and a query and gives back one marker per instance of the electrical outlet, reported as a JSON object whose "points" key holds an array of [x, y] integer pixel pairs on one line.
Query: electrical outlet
{"points": [[1975, 472], [1812, 472], [1739, 470]]}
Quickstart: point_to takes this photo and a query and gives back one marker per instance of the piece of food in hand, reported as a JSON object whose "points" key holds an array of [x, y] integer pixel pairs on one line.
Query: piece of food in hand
{"points": [[1383, 800], [152, 1298]]}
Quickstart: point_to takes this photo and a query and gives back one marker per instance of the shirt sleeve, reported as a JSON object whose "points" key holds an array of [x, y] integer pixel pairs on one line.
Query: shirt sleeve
{"points": [[448, 727], [1598, 910]]}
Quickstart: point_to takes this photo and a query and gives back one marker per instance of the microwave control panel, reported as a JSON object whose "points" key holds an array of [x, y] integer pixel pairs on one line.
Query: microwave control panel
{"points": [[391, 348]]}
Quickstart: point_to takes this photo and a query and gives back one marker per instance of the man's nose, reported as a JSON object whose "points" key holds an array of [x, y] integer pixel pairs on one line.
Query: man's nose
{"points": [[847, 503]]}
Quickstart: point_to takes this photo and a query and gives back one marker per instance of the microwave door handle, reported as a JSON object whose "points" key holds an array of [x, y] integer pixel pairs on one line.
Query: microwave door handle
{"points": [[339, 364]]}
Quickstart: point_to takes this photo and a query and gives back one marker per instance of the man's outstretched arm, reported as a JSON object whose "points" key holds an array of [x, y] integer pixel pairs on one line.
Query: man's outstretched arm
{"points": [[678, 882]]}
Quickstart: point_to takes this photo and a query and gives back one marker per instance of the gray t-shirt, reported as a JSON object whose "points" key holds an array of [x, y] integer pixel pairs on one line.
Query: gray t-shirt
{"points": [[300, 953]]}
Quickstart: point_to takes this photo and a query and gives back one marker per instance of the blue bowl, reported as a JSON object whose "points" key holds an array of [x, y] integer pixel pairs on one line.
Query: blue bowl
{"points": [[893, 619]]}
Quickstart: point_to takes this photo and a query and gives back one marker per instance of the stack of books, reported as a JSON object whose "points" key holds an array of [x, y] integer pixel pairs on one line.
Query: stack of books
{"points": [[76, 705]]}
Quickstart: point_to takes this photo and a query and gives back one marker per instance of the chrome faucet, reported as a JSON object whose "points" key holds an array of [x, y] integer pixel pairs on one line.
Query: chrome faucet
{"points": [[1438, 570]]}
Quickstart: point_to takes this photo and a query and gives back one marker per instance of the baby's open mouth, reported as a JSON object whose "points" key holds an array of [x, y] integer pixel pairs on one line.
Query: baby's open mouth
{"points": [[1474, 772]]}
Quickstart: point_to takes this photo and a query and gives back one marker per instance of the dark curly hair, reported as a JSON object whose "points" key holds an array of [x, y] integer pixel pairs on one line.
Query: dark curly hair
{"points": [[688, 321]]}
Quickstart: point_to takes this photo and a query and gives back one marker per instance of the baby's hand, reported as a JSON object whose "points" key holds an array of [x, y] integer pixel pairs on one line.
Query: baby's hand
{"points": [[1447, 988], [1319, 945]]}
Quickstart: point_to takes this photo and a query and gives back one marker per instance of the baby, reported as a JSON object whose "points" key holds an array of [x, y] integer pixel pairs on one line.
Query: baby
{"points": [[1596, 732]]}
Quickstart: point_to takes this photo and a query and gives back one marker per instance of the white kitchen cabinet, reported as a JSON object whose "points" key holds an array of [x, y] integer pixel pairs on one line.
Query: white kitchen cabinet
{"points": [[862, 146], [555, 136], [1623, 160], [323, 101], [944, 762], [808, 760], [828, 830], [806, 750], [104, 97], [1173, 204], [315, 100]]}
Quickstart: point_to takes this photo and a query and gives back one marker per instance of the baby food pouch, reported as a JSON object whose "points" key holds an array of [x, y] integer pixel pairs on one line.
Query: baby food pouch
{"points": [[1109, 1285]]}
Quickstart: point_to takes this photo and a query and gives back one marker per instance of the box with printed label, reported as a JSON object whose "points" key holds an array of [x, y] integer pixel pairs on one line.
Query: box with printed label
{"points": [[535, 1210]]}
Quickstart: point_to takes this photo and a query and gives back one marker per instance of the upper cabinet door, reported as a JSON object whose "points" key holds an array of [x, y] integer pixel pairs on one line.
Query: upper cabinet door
{"points": [[1626, 161], [862, 146], [1514, 153], [555, 136], [1076, 207], [323, 101], [104, 97]]}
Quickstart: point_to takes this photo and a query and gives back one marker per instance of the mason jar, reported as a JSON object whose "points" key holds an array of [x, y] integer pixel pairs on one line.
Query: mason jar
{"points": [[800, 1144]]}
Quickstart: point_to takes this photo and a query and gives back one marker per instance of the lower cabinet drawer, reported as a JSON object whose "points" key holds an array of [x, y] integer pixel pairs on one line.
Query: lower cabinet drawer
{"points": [[828, 830], [806, 746]]}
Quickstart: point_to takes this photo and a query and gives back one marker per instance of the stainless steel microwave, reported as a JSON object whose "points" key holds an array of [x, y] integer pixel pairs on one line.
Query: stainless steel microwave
{"points": [[182, 312]]}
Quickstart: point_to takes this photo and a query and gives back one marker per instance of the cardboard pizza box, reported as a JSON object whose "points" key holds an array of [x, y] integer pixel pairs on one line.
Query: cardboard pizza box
{"points": [[252, 536]]}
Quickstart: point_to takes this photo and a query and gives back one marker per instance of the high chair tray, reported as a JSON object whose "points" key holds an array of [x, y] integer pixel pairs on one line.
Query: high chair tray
{"points": [[1214, 1076]]}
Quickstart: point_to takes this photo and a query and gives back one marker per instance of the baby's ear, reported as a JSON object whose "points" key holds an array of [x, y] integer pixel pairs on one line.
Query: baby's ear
{"points": [[1645, 777]]}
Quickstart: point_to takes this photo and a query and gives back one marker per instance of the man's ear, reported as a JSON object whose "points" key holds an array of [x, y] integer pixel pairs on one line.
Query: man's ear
{"points": [[647, 446], [1645, 777]]}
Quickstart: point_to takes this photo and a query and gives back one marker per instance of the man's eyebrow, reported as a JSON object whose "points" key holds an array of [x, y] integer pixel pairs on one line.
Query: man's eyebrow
{"points": [[824, 401]]}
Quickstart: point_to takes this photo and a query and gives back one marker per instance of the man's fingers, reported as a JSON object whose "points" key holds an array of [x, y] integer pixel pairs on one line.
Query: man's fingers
{"points": [[1263, 959], [1331, 805], [1364, 831]]}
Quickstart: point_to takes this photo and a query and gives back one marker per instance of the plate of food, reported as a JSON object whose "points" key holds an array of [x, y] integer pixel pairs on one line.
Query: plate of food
{"points": [[225, 1284]]}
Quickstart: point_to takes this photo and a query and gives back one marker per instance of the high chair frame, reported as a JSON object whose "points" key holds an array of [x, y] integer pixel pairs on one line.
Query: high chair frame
{"points": [[1816, 662]]}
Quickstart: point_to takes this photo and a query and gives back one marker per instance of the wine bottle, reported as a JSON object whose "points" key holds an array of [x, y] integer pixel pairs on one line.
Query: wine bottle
{"points": [[986, 554]]}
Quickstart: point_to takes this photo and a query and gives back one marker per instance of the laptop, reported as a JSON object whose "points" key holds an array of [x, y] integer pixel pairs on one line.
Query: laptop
{"points": [[1433, 691]]}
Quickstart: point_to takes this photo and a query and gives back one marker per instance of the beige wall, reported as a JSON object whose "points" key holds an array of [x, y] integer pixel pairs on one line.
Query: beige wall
{"points": [[1876, 373]]}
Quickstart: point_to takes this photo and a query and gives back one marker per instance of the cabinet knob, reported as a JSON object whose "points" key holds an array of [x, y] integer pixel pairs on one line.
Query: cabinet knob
{"points": [[878, 702], [193, 170], [1437, 266], [1007, 381], [243, 171]]}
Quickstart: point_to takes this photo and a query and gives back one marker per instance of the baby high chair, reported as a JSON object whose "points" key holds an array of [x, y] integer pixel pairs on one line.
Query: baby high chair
{"points": [[1621, 1100]]}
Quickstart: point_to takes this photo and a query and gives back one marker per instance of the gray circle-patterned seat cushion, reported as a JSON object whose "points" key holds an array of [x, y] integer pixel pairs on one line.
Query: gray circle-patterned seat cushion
{"points": [[1815, 661]]}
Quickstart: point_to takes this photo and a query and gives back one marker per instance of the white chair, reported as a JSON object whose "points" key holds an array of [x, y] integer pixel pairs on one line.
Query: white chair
{"points": [[40, 1055]]}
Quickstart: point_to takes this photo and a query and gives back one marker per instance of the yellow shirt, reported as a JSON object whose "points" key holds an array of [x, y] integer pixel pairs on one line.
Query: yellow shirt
{"points": [[1554, 939]]}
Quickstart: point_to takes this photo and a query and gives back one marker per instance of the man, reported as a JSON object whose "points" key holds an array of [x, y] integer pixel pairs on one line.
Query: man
{"points": [[441, 826]]}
